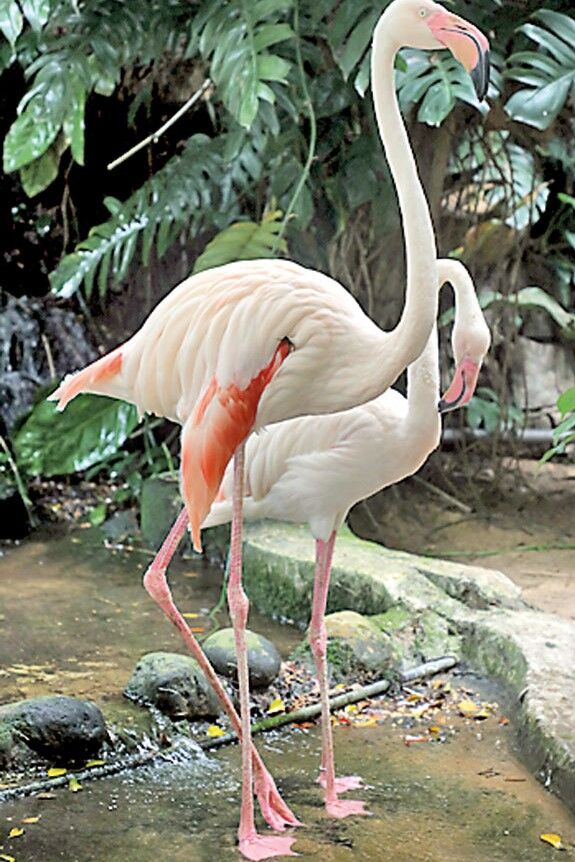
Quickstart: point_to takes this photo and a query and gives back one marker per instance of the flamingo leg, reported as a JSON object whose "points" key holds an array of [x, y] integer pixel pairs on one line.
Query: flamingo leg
{"points": [[274, 810], [252, 845], [318, 643]]}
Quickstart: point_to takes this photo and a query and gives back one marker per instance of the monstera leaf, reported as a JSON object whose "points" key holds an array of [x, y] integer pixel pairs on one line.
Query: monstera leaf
{"points": [[434, 82], [548, 75]]}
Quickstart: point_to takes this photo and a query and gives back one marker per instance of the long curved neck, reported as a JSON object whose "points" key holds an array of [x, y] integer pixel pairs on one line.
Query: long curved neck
{"points": [[405, 343], [423, 374]]}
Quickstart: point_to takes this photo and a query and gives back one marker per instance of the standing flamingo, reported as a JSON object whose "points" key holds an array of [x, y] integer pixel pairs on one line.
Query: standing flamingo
{"points": [[313, 469], [257, 342]]}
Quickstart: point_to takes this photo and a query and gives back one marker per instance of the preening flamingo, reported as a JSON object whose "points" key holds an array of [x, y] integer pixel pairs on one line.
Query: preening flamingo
{"points": [[313, 469], [257, 342]]}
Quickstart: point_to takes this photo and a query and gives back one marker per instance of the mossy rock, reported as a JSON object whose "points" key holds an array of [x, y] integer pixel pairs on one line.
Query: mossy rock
{"points": [[263, 658], [60, 729], [355, 647], [174, 684]]}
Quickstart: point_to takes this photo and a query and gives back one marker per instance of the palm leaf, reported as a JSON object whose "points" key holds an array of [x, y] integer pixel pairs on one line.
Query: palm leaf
{"points": [[245, 240]]}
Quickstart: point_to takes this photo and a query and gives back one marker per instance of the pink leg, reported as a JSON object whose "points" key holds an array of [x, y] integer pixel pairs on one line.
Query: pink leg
{"points": [[252, 845], [275, 811], [318, 642]]}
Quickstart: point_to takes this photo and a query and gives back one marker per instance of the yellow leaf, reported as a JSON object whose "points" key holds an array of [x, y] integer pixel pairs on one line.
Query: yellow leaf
{"points": [[16, 832], [553, 839], [74, 785], [434, 729], [365, 722], [191, 616], [56, 771], [467, 708], [351, 708], [215, 731], [92, 763], [5, 858], [30, 819], [277, 705]]}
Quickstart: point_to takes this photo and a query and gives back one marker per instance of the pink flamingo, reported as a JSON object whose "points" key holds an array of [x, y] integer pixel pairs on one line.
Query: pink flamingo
{"points": [[257, 342], [313, 469]]}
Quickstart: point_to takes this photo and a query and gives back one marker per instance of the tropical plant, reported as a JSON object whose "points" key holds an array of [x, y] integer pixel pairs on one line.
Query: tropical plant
{"points": [[564, 432]]}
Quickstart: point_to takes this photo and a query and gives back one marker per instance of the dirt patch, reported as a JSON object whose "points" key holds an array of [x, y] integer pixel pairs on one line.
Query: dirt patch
{"points": [[526, 530]]}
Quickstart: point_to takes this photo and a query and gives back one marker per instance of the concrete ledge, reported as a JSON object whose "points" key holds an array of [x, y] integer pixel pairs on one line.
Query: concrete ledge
{"points": [[531, 652]]}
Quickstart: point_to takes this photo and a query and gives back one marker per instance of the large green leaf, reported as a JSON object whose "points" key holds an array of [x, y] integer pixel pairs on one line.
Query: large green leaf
{"points": [[548, 74], [434, 82], [11, 20], [243, 241], [90, 429], [234, 37]]}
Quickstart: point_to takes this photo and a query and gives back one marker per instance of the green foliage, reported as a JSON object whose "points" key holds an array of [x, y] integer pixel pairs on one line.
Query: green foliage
{"points": [[486, 412], [564, 433], [90, 430], [548, 73], [434, 82], [243, 241]]}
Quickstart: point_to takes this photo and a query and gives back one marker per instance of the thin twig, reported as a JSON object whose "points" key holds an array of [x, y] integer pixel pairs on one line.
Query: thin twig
{"points": [[448, 498], [49, 357], [19, 482], [154, 137]]}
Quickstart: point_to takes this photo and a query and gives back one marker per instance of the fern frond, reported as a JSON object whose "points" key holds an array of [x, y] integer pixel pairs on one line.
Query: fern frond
{"points": [[244, 240]]}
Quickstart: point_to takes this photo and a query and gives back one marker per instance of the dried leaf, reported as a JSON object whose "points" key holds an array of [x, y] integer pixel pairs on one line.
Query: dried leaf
{"points": [[413, 740], [276, 706], [469, 709], [46, 795], [365, 722], [56, 771], [503, 721], [350, 709], [196, 630], [16, 832], [92, 763], [191, 616], [30, 819], [5, 858], [214, 731], [553, 839], [74, 785], [434, 729]]}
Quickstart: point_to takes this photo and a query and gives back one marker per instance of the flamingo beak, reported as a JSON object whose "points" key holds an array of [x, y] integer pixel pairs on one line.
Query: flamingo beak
{"points": [[462, 386], [467, 44]]}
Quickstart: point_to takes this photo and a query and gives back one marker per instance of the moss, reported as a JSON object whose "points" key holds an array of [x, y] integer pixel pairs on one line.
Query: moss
{"points": [[394, 620]]}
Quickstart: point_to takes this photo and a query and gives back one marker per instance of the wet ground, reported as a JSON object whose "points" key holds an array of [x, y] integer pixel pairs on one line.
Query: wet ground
{"points": [[74, 619]]}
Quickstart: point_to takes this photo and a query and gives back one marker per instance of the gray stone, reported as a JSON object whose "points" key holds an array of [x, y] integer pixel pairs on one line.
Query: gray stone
{"points": [[428, 605], [174, 684], [263, 658], [56, 727], [541, 373], [357, 647]]}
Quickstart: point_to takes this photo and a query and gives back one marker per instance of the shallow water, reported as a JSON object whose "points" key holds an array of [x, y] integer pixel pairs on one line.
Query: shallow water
{"points": [[76, 619]]}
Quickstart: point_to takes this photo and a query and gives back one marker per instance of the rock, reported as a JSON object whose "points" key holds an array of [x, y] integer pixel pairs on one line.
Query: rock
{"points": [[161, 503], [174, 684], [121, 527], [417, 637], [263, 658], [356, 647], [541, 373], [58, 728]]}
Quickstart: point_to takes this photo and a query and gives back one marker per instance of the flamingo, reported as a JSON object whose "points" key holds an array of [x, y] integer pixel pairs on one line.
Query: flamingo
{"points": [[313, 469], [252, 343]]}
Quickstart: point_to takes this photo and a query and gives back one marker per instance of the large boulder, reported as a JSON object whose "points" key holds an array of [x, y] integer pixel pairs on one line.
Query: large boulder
{"points": [[263, 658], [174, 684], [58, 728]]}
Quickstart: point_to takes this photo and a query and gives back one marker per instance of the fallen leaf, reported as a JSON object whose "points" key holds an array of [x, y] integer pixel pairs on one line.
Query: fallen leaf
{"points": [[516, 779], [74, 785], [92, 763], [56, 771], [304, 725], [46, 795], [413, 740], [503, 721], [469, 709], [553, 839], [196, 630], [365, 722], [30, 819], [214, 731], [5, 858], [350, 709], [277, 705], [434, 729], [16, 832], [191, 616]]}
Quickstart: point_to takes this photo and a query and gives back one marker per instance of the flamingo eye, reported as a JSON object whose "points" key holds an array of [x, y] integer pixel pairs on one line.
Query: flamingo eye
{"points": [[422, 13]]}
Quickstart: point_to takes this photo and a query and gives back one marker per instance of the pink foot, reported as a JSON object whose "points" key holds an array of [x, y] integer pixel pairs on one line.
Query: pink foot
{"points": [[266, 846], [346, 808], [344, 783], [274, 810]]}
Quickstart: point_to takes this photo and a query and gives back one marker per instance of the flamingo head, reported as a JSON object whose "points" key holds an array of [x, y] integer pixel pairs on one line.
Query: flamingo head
{"points": [[470, 344], [425, 24]]}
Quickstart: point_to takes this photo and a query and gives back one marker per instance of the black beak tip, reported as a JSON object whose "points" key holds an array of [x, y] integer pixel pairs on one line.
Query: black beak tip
{"points": [[480, 75], [443, 406]]}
